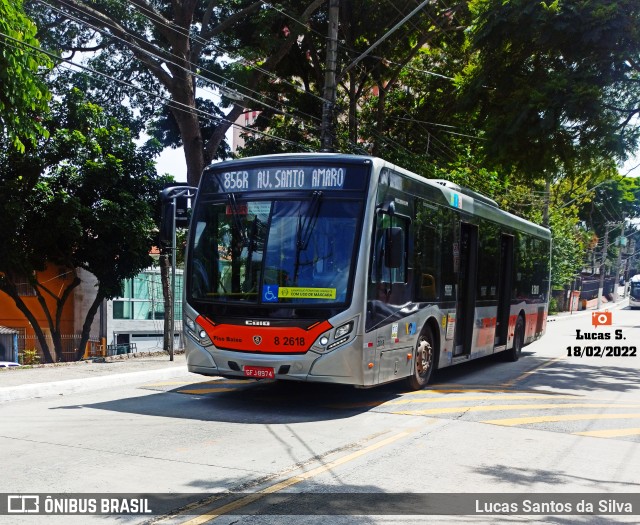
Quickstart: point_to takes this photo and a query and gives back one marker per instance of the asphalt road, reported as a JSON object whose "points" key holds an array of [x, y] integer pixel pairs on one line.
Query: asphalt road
{"points": [[558, 421]]}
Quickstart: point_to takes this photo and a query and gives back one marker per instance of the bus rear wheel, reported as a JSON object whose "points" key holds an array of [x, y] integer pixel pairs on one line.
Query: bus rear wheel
{"points": [[423, 362], [518, 341]]}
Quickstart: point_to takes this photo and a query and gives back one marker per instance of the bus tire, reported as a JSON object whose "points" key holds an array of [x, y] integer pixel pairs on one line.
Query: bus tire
{"points": [[423, 362], [518, 341]]}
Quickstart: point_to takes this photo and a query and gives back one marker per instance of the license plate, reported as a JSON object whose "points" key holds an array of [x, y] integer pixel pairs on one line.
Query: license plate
{"points": [[259, 372]]}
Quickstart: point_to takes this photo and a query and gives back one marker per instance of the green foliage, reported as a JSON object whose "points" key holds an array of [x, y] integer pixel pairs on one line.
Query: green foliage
{"points": [[568, 246], [29, 357], [554, 84], [23, 94], [222, 48], [613, 200], [543, 92], [284, 136], [84, 198]]}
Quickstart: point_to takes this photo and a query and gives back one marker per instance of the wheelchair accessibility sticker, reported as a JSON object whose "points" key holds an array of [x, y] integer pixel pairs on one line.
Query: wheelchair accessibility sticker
{"points": [[271, 293]]}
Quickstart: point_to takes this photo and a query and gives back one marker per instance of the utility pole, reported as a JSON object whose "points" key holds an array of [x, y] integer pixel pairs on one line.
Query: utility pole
{"points": [[545, 209], [169, 197], [605, 248], [621, 240], [327, 133], [327, 130]]}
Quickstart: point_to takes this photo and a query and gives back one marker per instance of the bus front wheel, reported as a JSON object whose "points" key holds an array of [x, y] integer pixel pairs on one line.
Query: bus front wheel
{"points": [[423, 361]]}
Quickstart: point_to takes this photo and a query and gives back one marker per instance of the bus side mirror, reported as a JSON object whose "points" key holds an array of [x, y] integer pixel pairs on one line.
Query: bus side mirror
{"points": [[393, 247], [166, 223]]}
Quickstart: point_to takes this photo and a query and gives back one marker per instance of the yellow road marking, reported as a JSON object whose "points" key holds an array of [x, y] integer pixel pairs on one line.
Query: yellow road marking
{"points": [[197, 391], [246, 500], [459, 390], [214, 382], [612, 432], [550, 419], [510, 384], [476, 398], [172, 383], [231, 382], [456, 385], [489, 408], [447, 399]]}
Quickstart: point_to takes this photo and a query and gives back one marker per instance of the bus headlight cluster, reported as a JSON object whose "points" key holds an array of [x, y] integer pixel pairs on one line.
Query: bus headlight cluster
{"points": [[335, 338], [197, 332], [344, 330]]}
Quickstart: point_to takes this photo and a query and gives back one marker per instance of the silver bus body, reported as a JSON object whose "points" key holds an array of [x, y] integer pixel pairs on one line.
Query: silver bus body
{"points": [[475, 278]]}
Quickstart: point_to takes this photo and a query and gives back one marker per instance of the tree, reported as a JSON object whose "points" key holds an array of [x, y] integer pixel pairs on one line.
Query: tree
{"points": [[555, 83], [176, 51], [84, 198], [383, 97], [23, 94], [613, 201]]}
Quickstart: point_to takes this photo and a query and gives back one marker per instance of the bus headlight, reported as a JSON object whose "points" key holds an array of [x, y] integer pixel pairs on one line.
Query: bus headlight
{"points": [[344, 330], [197, 332], [337, 337]]}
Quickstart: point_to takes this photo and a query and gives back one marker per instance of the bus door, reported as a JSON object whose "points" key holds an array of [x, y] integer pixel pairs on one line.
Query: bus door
{"points": [[504, 294], [467, 279]]}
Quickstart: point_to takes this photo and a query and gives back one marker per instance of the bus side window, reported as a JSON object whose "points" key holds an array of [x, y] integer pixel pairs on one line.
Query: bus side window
{"points": [[390, 254], [433, 244], [394, 247]]}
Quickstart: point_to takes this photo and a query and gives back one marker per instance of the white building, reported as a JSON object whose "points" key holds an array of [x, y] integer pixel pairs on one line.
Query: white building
{"points": [[136, 319], [243, 122]]}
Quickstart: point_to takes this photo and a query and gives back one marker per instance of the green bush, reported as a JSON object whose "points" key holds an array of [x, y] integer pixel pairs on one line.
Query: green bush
{"points": [[29, 357]]}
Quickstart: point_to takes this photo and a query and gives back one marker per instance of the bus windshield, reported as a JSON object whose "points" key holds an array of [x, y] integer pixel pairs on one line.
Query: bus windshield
{"points": [[634, 290], [274, 252]]}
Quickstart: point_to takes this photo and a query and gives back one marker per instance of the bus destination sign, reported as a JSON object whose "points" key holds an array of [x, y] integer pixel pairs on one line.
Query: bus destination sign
{"points": [[289, 178]]}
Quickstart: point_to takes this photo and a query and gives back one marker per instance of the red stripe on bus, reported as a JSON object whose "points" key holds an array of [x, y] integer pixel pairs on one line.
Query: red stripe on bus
{"points": [[263, 339]]}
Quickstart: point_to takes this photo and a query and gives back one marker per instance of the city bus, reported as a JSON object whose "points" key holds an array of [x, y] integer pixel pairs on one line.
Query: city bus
{"points": [[634, 291], [347, 269]]}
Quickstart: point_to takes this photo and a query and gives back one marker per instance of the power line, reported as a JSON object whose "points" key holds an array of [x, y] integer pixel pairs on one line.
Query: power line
{"points": [[221, 87], [176, 105], [441, 146], [246, 62]]}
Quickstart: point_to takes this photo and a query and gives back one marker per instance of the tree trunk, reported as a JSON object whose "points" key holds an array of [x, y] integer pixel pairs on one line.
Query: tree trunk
{"points": [[88, 321], [12, 292], [192, 141], [54, 318], [353, 111]]}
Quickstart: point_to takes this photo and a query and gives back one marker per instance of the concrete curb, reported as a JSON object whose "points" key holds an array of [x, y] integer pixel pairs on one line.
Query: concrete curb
{"points": [[72, 386]]}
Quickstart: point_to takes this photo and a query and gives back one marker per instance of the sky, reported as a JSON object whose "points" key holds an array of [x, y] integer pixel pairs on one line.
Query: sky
{"points": [[172, 161], [631, 168]]}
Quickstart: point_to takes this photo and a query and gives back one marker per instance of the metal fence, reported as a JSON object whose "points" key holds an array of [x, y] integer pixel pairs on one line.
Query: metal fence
{"points": [[29, 342]]}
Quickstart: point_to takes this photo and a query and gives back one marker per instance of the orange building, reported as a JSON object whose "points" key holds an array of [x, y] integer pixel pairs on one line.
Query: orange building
{"points": [[56, 279]]}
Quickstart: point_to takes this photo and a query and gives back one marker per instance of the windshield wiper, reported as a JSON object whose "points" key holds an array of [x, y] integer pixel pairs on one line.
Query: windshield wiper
{"points": [[305, 229], [233, 204]]}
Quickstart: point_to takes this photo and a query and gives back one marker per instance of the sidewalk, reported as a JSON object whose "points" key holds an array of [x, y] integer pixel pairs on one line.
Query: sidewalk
{"points": [[83, 376], [621, 303]]}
